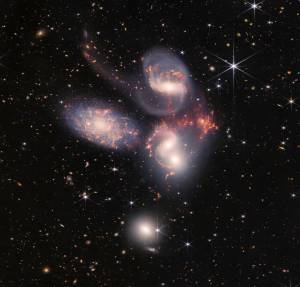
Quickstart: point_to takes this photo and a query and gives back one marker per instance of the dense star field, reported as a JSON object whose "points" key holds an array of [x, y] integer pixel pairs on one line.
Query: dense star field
{"points": [[150, 143]]}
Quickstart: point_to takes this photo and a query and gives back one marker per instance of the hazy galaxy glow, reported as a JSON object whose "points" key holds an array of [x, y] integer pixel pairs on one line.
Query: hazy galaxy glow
{"points": [[165, 91], [101, 125], [144, 232], [175, 142], [167, 149], [167, 79]]}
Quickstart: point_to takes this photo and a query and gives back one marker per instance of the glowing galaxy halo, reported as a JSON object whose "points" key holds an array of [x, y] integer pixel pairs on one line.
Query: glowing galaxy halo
{"points": [[162, 87], [167, 80], [166, 148], [100, 124], [144, 232], [175, 142]]}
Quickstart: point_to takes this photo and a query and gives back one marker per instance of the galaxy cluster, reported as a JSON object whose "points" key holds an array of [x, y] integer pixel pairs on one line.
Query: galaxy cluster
{"points": [[149, 143], [165, 90], [180, 126]]}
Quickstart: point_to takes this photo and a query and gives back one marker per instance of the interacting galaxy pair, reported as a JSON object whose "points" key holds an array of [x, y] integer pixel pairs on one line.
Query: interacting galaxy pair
{"points": [[163, 89]]}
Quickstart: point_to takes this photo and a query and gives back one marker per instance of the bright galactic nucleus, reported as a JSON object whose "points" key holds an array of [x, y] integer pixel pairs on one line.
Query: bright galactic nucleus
{"points": [[167, 83], [175, 142], [162, 87], [144, 231]]}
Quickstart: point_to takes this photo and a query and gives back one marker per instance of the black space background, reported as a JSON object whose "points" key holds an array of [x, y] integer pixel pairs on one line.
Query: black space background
{"points": [[242, 211]]}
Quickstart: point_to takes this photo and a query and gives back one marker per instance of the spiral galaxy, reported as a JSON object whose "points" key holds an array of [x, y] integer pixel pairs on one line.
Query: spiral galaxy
{"points": [[101, 125]]}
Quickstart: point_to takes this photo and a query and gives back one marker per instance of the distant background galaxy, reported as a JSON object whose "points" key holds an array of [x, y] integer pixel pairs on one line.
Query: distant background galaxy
{"points": [[150, 143]]}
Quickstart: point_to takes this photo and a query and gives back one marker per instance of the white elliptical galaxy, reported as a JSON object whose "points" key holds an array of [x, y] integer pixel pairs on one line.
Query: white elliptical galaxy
{"points": [[101, 125], [143, 230]]}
